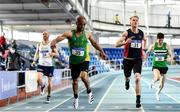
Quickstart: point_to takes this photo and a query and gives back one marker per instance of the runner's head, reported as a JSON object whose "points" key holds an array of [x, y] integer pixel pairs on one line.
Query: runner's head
{"points": [[45, 36], [134, 21], [160, 37], [81, 23]]}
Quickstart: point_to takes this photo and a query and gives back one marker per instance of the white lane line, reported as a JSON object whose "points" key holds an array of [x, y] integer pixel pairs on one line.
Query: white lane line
{"points": [[72, 96], [97, 107], [31, 99], [34, 98], [141, 109], [173, 80], [163, 92]]}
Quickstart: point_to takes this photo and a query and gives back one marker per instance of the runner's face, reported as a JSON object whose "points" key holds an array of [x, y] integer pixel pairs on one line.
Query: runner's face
{"points": [[45, 36], [81, 25], [134, 21], [160, 40]]}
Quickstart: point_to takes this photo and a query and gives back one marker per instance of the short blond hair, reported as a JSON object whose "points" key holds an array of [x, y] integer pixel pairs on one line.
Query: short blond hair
{"points": [[134, 16]]}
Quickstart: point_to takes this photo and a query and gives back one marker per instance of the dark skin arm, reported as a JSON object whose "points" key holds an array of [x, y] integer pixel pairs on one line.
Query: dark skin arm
{"points": [[96, 45], [60, 38]]}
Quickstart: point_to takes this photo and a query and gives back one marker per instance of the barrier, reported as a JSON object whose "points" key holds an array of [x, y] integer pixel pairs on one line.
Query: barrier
{"points": [[116, 64], [31, 81], [20, 85], [8, 84]]}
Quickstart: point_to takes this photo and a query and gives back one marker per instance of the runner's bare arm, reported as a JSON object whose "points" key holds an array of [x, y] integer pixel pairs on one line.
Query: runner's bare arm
{"points": [[61, 37], [36, 54], [145, 42], [169, 51], [148, 51], [96, 45], [121, 40]]}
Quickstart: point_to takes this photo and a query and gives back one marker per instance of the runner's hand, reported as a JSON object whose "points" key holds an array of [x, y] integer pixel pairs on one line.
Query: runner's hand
{"points": [[103, 55], [170, 60], [51, 54], [129, 40], [53, 44], [33, 63]]}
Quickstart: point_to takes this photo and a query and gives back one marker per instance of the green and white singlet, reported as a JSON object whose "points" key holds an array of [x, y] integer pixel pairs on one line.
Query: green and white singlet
{"points": [[160, 55]]}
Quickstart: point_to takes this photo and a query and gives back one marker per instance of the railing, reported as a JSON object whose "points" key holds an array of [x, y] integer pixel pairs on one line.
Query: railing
{"points": [[116, 64], [108, 15]]}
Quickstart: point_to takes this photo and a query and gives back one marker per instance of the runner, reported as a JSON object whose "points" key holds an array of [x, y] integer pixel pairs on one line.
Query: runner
{"points": [[79, 56], [161, 51], [44, 54], [132, 39]]}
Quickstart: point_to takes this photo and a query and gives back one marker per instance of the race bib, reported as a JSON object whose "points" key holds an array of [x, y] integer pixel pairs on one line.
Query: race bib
{"points": [[78, 51], [45, 54], [136, 44], [159, 57]]}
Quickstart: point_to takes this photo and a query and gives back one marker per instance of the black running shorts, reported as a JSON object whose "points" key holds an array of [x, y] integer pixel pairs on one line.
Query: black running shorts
{"points": [[46, 70], [129, 65], [162, 70], [77, 68]]}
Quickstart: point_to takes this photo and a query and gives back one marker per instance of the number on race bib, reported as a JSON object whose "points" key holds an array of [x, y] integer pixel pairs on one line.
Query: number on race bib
{"points": [[136, 44], [44, 54], [159, 58], [78, 52]]}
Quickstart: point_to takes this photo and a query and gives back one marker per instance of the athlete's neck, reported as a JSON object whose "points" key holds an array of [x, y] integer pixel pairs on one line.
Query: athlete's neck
{"points": [[134, 29], [78, 32], [45, 42], [160, 44]]}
